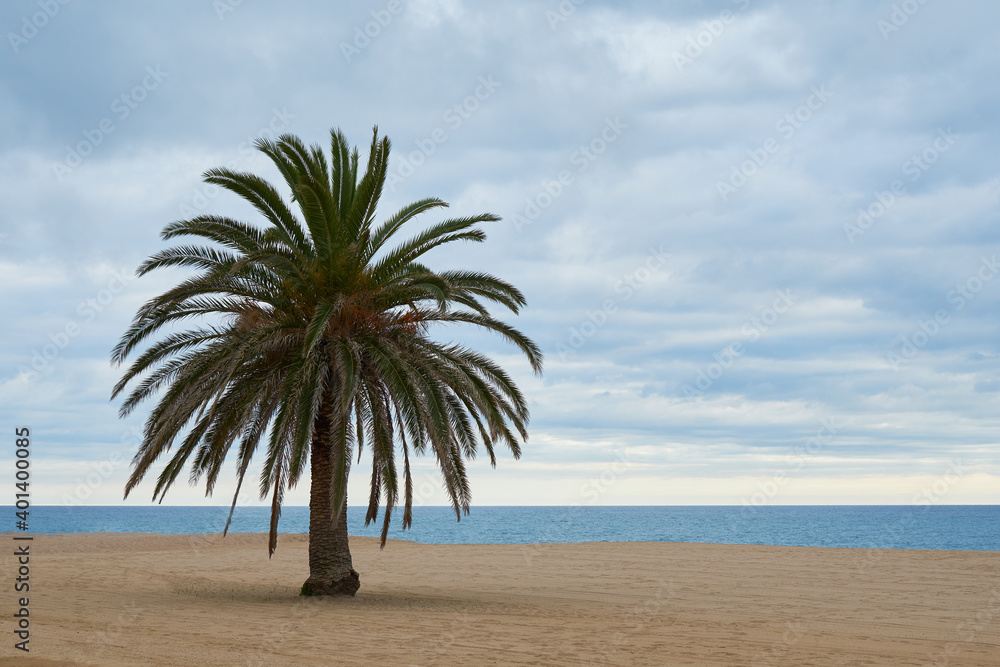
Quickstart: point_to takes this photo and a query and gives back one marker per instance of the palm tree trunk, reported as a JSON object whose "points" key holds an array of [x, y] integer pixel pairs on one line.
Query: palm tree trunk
{"points": [[330, 568]]}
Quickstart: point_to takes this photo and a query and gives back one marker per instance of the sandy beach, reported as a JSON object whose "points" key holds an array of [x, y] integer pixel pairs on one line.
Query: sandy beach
{"points": [[126, 599]]}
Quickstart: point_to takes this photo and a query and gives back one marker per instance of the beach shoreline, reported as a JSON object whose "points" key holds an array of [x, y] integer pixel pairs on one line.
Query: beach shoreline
{"points": [[127, 598]]}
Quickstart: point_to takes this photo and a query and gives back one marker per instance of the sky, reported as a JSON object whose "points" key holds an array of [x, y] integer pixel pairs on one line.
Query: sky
{"points": [[759, 240]]}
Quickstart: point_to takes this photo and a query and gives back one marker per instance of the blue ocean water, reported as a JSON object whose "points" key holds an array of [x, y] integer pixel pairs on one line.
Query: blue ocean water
{"points": [[964, 527]]}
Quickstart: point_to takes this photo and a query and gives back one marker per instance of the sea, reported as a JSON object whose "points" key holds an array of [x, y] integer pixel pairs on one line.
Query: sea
{"points": [[960, 527]]}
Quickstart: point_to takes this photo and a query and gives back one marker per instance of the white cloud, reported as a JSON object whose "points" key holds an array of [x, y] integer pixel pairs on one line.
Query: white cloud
{"points": [[655, 185]]}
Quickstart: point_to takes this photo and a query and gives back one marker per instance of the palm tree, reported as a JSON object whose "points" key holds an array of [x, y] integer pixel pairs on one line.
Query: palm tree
{"points": [[318, 343]]}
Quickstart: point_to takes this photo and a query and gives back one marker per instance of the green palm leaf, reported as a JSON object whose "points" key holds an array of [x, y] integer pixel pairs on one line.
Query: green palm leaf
{"points": [[318, 344]]}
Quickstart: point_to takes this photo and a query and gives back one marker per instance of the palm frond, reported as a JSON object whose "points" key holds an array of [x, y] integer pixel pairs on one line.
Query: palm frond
{"points": [[318, 341]]}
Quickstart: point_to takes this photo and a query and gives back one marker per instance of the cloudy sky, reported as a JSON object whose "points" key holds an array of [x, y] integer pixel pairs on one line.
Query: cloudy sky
{"points": [[759, 240]]}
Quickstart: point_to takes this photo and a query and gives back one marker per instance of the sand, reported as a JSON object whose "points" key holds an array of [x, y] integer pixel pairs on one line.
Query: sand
{"points": [[125, 599]]}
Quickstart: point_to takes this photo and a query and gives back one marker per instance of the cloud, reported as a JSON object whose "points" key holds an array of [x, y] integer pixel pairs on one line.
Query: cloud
{"points": [[813, 210]]}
